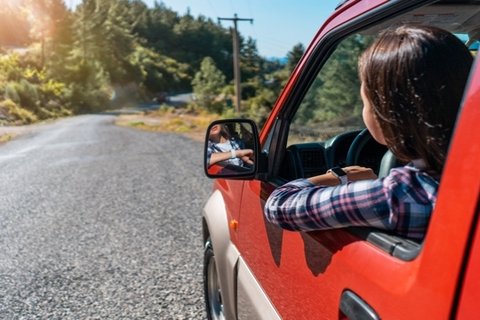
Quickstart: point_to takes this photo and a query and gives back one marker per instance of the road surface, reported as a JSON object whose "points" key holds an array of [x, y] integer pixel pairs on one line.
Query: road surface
{"points": [[101, 222]]}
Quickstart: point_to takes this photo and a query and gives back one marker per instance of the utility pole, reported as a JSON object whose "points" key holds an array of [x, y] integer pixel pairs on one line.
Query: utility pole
{"points": [[236, 58]]}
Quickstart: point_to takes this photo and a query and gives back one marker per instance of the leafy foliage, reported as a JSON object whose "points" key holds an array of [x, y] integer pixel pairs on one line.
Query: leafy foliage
{"points": [[332, 104], [207, 84], [294, 56], [106, 52], [10, 112]]}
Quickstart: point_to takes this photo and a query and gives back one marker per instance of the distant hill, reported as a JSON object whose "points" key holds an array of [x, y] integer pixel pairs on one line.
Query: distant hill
{"points": [[282, 61]]}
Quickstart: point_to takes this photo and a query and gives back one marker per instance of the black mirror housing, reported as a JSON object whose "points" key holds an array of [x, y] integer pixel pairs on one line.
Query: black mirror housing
{"points": [[232, 149]]}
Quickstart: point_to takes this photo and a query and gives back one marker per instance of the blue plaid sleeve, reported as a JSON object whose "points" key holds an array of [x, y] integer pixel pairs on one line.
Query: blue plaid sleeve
{"points": [[402, 202], [209, 152]]}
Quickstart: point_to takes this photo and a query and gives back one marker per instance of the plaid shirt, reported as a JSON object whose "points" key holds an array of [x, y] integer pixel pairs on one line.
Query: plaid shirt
{"points": [[230, 145], [401, 202]]}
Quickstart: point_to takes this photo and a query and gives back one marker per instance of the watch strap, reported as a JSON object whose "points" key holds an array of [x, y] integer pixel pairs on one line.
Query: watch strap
{"points": [[340, 174]]}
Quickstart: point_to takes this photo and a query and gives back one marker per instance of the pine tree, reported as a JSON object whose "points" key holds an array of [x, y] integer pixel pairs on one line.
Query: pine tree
{"points": [[88, 80], [119, 43], [294, 56], [250, 60], [61, 39], [207, 84]]}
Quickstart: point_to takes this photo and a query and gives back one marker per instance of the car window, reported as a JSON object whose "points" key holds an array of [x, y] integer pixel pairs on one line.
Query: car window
{"points": [[332, 105], [325, 127]]}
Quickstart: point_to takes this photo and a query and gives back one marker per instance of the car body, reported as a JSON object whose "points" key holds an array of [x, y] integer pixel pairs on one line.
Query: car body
{"points": [[254, 270]]}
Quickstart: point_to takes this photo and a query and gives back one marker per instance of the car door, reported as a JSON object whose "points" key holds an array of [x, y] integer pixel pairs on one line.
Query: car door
{"points": [[327, 274]]}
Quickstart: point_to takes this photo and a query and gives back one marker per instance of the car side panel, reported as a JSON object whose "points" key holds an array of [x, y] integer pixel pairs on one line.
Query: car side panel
{"points": [[232, 194], [467, 139], [226, 253], [252, 301], [306, 273], [468, 302]]}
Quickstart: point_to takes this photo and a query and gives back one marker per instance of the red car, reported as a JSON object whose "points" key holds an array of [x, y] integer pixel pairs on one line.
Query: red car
{"points": [[255, 270]]}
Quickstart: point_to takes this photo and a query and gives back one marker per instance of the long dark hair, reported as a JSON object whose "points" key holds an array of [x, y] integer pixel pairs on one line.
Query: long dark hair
{"points": [[414, 77]]}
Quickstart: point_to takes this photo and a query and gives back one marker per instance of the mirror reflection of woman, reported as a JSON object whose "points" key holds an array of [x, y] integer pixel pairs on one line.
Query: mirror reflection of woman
{"points": [[224, 149]]}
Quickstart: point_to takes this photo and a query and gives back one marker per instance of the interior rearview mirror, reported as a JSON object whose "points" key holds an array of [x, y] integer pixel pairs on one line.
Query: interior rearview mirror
{"points": [[231, 149]]}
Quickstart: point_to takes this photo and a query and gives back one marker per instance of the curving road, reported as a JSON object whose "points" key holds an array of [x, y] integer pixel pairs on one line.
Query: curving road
{"points": [[101, 222]]}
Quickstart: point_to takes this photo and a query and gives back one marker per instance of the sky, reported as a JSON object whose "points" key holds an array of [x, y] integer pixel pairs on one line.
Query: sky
{"points": [[278, 24]]}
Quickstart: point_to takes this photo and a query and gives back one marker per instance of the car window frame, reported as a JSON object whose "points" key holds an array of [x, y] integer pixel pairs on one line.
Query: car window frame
{"points": [[324, 48], [398, 247]]}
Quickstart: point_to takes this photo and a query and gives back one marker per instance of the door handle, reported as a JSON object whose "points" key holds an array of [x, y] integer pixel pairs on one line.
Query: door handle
{"points": [[352, 307]]}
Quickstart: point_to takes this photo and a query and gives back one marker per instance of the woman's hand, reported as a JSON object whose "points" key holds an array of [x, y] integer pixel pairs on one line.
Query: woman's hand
{"points": [[245, 155], [355, 173]]}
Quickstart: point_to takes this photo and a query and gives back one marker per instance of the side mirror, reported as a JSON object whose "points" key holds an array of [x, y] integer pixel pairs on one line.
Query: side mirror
{"points": [[231, 149]]}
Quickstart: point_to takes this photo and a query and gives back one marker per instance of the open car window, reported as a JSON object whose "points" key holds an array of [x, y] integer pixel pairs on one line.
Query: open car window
{"points": [[332, 104], [329, 117], [328, 120]]}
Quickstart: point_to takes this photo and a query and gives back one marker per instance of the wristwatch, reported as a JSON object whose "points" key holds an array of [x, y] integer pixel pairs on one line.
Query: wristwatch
{"points": [[339, 173]]}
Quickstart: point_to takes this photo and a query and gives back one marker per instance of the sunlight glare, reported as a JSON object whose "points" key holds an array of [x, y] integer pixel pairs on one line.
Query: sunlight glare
{"points": [[13, 3]]}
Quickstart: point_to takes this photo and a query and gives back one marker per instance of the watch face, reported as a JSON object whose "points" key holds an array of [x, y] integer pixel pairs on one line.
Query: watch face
{"points": [[338, 171]]}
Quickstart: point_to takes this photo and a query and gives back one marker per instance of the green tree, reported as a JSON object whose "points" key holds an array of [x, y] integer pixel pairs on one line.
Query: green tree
{"points": [[156, 27], [61, 39], [85, 40], [199, 38], [87, 79], [207, 85], [104, 34], [159, 72], [294, 56], [250, 60], [89, 90], [334, 96], [260, 106], [119, 44], [339, 93]]}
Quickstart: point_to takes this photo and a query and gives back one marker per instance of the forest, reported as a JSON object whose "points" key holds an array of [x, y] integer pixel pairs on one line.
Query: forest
{"points": [[106, 54]]}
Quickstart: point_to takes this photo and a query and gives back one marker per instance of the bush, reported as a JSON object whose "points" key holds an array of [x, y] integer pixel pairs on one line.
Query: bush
{"points": [[29, 97], [259, 107], [24, 94], [11, 113], [11, 92], [10, 69], [89, 90], [87, 99]]}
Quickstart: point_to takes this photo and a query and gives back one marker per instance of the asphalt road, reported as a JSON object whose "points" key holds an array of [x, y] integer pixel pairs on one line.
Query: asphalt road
{"points": [[101, 222]]}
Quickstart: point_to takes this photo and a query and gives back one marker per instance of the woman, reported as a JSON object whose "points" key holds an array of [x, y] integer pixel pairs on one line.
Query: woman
{"points": [[224, 149], [412, 84]]}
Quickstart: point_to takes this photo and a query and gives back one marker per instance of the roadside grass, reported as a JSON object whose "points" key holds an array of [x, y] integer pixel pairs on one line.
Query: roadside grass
{"points": [[6, 137], [187, 121]]}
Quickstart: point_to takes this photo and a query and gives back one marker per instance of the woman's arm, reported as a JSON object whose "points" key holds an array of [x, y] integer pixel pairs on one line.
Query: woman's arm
{"points": [[244, 154], [321, 203], [303, 206], [354, 173], [219, 156], [401, 202]]}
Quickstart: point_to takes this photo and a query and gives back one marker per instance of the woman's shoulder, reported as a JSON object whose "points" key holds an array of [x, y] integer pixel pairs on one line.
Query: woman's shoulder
{"points": [[411, 171], [409, 178]]}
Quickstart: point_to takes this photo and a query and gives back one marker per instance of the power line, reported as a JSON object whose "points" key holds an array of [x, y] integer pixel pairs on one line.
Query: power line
{"points": [[236, 58]]}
